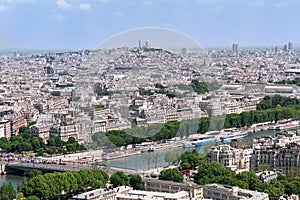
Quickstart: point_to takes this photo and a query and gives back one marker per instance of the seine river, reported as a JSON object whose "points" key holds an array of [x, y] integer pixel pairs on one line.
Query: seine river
{"points": [[14, 179], [143, 161]]}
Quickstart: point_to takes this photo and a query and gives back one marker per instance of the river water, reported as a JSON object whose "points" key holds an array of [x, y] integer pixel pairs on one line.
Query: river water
{"points": [[14, 179], [150, 160], [143, 161]]}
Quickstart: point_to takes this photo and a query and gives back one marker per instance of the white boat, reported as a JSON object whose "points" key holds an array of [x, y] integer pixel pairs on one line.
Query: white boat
{"points": [[121, 154], [234, 135]]}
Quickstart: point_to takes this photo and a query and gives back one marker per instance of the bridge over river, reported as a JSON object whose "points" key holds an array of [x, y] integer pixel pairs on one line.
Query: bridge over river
{"points": [[25, 167]]}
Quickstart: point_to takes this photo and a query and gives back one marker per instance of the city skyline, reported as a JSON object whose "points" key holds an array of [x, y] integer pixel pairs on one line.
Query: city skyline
{"points": [[65, 24]]}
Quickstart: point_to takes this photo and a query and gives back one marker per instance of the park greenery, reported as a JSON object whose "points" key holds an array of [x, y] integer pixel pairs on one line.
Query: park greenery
{"points": [[118, 179], [278, 101], [171, 175], [195, 86], [270, 109], [7, 192], [208, 173], [199, 87], [136, 182], [121, 179], [63, 185], [66, 184], [25, 142], [296, 81], [189, 160]]}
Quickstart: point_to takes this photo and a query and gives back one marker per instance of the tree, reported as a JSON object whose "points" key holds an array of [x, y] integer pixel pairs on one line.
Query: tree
{"points": [[7, 192], [49, 186], [189, 160], [20, 196], [32, 198], [171, 175], [34, 173], [119, 179], [199, 87], [71, 140], [136, 182]]}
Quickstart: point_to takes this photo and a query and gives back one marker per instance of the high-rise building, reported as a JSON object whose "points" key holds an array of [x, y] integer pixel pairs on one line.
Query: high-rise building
{"points": [[285, 47], [140, 44], [235, 48], [290, 45], [147, 44]]}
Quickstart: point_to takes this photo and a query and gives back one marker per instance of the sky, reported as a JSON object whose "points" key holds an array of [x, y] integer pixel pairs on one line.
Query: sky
{"points": [[83, 24]]}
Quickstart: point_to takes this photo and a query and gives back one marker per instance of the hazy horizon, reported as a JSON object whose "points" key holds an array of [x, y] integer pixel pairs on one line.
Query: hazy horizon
{"points": [[82, 24]]}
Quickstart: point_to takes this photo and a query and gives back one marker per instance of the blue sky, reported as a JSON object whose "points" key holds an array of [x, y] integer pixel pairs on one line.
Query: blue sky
{"points": [[81, 24]]}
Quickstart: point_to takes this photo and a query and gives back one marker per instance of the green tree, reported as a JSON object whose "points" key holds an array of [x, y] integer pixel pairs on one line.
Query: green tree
{"points": [[20, 196], [119, 179], [136, 182], [7, 192], [71, 140], [32, 198], [171, 175], [50, 186], [189, 160], [199, 87], [34, 173]]}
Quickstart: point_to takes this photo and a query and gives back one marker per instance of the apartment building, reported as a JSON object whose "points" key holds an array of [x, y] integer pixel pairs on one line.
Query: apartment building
{"points": [[231, 158], [276, 157], [194, 190], [6, 127], [221, 192]]}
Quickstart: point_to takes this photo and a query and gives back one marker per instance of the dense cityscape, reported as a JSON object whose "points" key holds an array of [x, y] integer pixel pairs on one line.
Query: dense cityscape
{"points": [[180, 100], [125, 102]]}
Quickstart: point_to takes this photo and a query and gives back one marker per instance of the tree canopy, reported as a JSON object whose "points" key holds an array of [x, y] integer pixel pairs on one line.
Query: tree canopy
{"points": [[119, 179], [199, 87], [50, 186], [136, 182], [7, 192], [171, 175]]}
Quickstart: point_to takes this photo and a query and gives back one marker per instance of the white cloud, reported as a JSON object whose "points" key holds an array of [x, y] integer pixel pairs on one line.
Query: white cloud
{"points": [[284, 3], [118, 14], [2, 7], [59, 17], [148, 3], [63, 4], [85, 6], [103, 1]]}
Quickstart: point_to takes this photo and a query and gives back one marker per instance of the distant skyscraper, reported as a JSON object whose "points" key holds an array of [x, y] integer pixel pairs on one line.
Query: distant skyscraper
{"points": [[147, 44], [285, 47], [140, 44], [290, 46], [235, 48]]}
